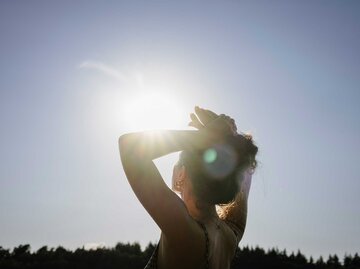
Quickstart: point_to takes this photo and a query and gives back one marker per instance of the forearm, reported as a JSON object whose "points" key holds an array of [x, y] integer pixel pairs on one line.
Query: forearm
{"points": [[245, 185], [236, 211], [151, 145]]}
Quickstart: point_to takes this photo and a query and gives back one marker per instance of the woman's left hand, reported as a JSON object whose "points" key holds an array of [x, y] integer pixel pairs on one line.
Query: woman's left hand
{"points": [[204, 117]]}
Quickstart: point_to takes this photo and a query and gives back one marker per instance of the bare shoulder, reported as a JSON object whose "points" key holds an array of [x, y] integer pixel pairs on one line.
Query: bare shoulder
{"points": [[187, 252], [233, 235]]}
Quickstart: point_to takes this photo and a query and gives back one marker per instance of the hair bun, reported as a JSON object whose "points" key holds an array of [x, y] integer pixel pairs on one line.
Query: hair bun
{"points": [[217, 171]]}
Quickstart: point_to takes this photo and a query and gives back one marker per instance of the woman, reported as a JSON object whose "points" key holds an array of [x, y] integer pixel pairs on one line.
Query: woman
{"points": [[215, 168]]}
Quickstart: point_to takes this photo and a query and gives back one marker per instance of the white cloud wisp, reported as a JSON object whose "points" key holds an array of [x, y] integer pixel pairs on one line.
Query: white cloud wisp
{"points": [[105, 69]]}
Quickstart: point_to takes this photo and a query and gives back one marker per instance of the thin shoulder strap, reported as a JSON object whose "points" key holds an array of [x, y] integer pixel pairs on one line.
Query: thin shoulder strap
{"points": [[152, 263], [207, 244]]}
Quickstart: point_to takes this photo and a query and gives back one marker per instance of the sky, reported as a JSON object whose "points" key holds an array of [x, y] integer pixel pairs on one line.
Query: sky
{"points": [[75, 75]]}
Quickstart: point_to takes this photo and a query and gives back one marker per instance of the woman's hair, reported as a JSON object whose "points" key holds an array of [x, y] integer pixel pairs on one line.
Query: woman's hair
{"points": [[216, 172]]}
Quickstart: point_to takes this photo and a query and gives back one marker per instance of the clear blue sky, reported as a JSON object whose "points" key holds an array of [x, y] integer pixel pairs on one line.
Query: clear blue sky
{"points": [[71, 73]]}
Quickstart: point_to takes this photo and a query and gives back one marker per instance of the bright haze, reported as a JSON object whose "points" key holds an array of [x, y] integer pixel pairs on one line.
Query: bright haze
{"points": [[75, 75]]}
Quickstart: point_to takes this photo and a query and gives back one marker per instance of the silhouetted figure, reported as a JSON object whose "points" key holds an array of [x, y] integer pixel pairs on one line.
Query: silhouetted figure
{"points": [[215, 168]]}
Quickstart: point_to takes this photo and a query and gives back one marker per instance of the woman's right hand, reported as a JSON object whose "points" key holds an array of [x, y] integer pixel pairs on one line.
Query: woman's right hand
{"points": [[204, 118]]}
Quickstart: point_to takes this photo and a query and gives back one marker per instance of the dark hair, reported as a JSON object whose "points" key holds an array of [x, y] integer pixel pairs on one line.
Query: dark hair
{"points": [[216, 172]]}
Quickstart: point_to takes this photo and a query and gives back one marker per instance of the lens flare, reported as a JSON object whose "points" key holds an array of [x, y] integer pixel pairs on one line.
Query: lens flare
{"points": [[210, 155], [219, 161]]}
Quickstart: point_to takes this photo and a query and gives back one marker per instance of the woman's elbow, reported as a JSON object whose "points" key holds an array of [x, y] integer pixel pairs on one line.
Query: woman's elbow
{"points": [[123, 145], [121, 140], [128, 146]]}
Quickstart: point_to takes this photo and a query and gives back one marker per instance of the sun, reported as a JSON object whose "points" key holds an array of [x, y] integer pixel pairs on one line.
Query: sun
{"points": [[154, 110]]}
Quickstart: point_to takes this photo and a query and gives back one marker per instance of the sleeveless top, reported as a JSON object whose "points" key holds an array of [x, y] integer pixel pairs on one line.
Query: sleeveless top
{"points": [[152, 263]]}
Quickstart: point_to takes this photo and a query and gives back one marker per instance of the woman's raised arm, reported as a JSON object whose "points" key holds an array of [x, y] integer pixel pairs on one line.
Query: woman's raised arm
{"points": [[137, 151], [235, 213]]}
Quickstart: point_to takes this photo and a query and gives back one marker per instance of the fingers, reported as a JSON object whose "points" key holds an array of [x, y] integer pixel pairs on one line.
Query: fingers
{"points": [[211, 114], [205, 115], [195, 122], [197, 126]]}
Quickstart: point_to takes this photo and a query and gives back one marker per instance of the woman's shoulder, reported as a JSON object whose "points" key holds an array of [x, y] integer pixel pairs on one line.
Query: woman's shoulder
{"points": [[187, 242], [187, 252], [232, 235]]}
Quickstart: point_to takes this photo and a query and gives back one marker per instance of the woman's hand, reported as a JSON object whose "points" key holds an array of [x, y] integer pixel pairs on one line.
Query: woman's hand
{"points": [[203, 118]]}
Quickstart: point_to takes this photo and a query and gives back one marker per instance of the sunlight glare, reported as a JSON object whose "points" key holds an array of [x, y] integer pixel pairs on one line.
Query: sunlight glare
{"points": [[153, 110]]}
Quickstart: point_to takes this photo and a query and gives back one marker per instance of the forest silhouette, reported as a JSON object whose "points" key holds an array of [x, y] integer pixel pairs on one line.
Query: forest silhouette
{"points": [[130, 256]]}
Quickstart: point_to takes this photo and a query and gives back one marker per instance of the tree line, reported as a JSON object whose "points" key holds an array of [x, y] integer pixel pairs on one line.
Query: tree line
{"points": [[130, 256]]}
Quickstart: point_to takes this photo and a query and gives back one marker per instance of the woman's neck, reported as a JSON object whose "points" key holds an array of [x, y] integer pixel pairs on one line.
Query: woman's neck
{"points": [[201, 211]]}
